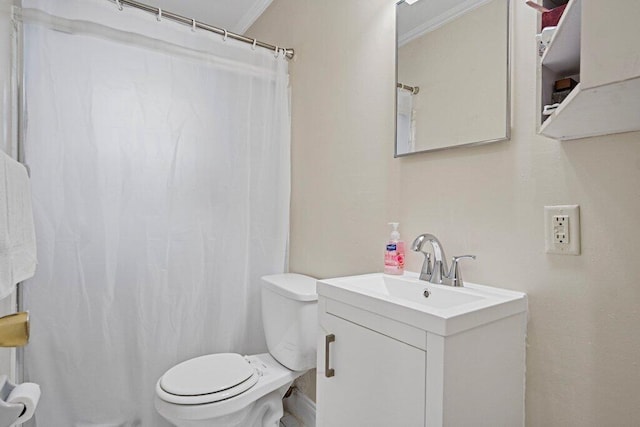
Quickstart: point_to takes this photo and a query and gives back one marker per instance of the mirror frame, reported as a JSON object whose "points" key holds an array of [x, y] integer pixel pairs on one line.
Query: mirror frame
{"points": [[507, 133]]}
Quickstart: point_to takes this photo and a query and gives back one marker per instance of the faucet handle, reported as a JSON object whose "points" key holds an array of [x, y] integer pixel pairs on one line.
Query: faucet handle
{"points": [[455, 276]]}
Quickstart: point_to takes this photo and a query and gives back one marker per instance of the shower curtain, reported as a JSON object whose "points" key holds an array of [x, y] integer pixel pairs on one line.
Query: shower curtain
{"points": [[405, 122], [159, 161]]}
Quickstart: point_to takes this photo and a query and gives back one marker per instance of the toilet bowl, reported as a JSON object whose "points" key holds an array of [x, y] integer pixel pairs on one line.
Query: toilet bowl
{"points": [[258, 396], [227, 389]]}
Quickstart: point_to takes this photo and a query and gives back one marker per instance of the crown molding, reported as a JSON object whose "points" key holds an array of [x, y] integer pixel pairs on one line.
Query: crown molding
{"points": [[251, 16], [440, 20]]}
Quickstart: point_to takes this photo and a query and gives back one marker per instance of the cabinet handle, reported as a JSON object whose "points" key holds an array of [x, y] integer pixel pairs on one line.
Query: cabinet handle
{"points": [[328, 339]]}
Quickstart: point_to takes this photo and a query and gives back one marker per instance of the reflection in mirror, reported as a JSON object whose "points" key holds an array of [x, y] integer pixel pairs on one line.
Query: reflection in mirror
{"points": [[453, 74]]}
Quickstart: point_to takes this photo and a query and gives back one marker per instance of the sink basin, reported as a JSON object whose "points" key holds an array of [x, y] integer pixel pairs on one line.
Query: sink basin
{"points": [[412, 290], [440, 309]]}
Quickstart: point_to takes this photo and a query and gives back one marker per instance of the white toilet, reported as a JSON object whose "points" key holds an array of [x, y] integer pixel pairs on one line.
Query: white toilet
{"points": [[228, 389]]}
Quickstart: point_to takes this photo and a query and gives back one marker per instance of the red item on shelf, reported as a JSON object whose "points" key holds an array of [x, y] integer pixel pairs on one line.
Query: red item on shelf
{"points": [[551, 18]]}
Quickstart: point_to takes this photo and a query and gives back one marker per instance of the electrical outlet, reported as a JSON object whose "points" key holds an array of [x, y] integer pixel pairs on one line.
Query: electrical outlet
{"points": [[562, 229]]}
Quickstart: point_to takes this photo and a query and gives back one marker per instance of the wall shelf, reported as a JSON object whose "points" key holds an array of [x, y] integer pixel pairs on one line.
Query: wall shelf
{"points": [[603, 110], [612, 107], [563, 54]]}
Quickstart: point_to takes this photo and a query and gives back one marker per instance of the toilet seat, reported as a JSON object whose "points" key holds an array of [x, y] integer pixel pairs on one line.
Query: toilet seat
{"points": [[207, 379], [272, 378]]}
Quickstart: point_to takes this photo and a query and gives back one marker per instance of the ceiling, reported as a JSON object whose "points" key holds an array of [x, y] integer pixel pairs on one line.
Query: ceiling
{"points": [[238, 15], [232, 15]]}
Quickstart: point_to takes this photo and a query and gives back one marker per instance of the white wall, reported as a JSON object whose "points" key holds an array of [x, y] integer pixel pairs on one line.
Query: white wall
{"points": [[583, 348]]}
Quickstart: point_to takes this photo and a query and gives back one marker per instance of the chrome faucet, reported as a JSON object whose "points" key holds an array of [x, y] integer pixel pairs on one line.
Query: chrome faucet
{"points": [[437, 273]]}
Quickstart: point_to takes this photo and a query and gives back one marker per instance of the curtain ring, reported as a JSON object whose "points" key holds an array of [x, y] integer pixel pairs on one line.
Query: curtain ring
{"points": [[193, 25], [253, 46], [119, 4], [284, 52], [159, 17], [224, 38], [277, 52]]}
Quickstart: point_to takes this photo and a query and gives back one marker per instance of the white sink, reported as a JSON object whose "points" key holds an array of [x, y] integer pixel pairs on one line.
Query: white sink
{"points": [[412, 290], [445, 311]]}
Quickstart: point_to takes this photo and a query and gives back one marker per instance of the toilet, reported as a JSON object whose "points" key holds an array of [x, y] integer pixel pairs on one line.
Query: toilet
{"points": [[228, 389]]}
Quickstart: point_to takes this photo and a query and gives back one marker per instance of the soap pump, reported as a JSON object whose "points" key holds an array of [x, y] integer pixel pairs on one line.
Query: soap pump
{"points": [[394, 254]]}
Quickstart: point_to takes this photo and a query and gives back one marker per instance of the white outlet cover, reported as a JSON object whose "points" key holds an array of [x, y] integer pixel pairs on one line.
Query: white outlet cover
{"points": [[573, 247]]}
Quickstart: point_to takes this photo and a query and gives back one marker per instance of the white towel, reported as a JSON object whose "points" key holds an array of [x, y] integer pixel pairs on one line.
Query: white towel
{"points": [[18, 257]]}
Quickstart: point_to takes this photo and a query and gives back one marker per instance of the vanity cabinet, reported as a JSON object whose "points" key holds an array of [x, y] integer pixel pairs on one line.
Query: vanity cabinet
{"points": [[595, 44], [376, 368], [378, 380]]}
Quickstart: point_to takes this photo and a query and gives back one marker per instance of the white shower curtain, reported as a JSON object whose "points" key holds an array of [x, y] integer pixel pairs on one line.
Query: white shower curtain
{"points": [[160, 169]]}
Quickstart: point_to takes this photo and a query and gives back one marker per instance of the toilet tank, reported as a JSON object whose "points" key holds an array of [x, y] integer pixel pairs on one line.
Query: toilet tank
{"points": [[290, 319]]}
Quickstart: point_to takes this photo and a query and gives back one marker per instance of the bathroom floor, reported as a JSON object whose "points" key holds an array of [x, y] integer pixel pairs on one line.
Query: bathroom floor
{"points": [[290, 421]]}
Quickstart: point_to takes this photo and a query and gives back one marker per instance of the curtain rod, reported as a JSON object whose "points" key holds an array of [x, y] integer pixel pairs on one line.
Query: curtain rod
{"points": [[161, 13], [413, 89]]}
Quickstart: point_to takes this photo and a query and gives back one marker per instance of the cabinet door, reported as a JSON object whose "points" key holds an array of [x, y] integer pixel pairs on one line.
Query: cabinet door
{"points": [[378, 381]]}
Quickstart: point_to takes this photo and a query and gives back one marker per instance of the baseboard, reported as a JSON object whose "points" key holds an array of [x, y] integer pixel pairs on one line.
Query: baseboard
{"points": [[303, 408]]}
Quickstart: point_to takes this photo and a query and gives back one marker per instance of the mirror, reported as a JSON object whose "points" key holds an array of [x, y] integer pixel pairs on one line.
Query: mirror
{"points": [[452, 74]]}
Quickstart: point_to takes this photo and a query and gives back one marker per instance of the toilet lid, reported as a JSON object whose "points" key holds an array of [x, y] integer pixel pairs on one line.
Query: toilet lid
{"points": [[208, 379]]}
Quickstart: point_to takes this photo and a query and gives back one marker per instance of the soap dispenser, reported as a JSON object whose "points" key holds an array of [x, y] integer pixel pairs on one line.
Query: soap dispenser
{"points": [[394, 254]]}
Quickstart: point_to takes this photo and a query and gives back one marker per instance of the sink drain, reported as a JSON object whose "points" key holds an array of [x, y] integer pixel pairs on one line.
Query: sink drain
{"points": [[426, 293]]}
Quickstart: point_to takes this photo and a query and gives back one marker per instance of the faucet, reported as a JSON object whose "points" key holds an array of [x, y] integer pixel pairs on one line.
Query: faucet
{"points": [[438, 273]]}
